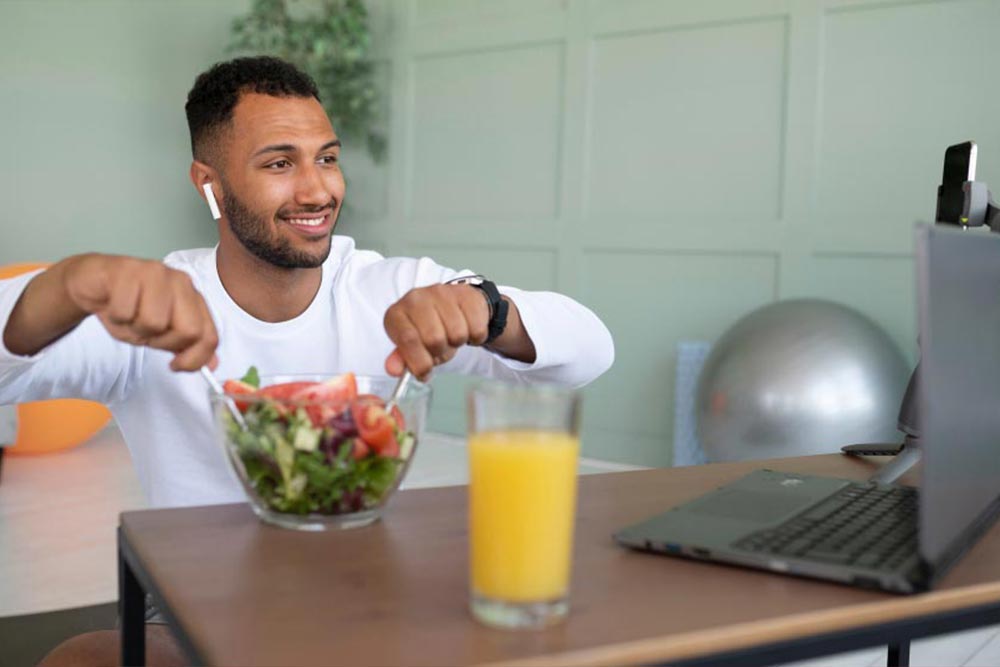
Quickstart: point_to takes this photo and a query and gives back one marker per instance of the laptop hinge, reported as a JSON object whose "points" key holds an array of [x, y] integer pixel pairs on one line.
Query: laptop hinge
{"points": [[964, 541]]}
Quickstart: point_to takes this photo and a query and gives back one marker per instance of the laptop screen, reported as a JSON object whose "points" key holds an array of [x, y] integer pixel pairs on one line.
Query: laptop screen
{"points": [[958, 277]]}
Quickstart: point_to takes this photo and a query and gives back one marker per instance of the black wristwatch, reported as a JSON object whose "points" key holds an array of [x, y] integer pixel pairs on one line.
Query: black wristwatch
{"points": [[498, 307]]}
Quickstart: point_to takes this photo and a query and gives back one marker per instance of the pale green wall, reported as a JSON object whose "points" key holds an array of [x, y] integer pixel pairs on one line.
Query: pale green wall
{"points": [[92, 124], [673, 164]]}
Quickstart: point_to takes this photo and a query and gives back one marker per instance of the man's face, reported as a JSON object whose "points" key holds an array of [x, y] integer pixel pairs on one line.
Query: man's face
{"points": [[281, 179]]}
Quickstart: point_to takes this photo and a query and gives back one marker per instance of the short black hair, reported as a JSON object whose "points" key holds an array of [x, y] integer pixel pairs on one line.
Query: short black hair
{"points": [[216, 91]]}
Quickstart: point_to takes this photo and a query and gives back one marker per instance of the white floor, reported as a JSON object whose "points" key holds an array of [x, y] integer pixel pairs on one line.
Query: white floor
{"points": [[974, 648]]}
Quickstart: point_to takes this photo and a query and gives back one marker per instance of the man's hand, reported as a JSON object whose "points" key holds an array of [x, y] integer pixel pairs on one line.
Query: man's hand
{"points": [[141, 302], [429, 324]]}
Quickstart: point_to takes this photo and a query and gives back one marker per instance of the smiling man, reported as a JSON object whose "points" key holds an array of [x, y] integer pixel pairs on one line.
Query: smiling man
{"points": [[279, 291]]}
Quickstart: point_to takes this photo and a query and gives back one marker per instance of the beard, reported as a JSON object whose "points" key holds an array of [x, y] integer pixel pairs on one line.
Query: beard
{"points": [[252, 231]]}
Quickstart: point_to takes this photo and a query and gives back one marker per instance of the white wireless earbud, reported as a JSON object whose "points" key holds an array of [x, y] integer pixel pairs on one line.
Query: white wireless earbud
{"points": [[212, 204]]}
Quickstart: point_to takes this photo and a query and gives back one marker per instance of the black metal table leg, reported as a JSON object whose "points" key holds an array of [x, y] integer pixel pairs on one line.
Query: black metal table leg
{"points": [[899, 655], [132, 612]]}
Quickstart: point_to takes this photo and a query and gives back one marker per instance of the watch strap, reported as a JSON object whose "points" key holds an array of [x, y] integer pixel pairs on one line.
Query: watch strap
{"points": [[497, 305], [498, 309]]}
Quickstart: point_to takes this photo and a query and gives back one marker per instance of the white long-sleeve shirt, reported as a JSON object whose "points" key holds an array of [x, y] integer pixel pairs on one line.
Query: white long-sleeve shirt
{"points": [[165, 417]]}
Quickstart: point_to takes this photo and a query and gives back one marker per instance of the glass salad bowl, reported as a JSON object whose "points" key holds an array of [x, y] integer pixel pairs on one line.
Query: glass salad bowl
{"points": [[319, 452]]}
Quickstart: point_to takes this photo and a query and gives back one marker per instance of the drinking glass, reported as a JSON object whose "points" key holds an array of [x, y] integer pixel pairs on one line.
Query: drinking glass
{"points": [[523, 450]]}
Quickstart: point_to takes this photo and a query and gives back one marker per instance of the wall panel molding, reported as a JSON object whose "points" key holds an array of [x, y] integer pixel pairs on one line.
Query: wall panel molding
{"points": [[768, 161]]}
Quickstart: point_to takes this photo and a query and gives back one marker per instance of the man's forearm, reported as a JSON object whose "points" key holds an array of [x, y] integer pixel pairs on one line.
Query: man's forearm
{"points": [[514, 342], [43, 314], [571, 345]]}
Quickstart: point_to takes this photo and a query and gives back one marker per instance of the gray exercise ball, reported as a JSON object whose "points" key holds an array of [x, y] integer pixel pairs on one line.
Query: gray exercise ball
{"points": [[799, 377]]}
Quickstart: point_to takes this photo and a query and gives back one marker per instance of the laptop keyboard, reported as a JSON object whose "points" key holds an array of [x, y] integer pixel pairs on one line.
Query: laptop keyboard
{"points": [[863, 524]]}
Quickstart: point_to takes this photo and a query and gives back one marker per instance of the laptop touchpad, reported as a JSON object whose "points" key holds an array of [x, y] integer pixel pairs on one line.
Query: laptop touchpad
{"points": [[759, 506]]}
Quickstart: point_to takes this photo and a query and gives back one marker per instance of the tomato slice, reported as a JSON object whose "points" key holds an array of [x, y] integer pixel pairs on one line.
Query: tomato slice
{"points": [[391, 448], [398, 417], [327, 399], [239, 387], [345, 385], [341, 389], [373, 422], [285, 390], [377, 400], [360, 450]]}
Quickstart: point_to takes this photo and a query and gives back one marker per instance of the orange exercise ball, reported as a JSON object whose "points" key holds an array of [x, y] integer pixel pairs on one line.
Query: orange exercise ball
{"points": [[49, 426]]}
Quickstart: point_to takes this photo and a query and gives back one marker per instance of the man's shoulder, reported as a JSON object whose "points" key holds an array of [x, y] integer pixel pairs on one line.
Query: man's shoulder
{"points": [[191, 259], [348, 260], [371, 268], [344, 250]]}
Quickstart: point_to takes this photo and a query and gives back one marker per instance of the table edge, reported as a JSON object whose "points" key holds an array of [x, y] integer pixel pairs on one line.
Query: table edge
{"points": [[759, 634]]}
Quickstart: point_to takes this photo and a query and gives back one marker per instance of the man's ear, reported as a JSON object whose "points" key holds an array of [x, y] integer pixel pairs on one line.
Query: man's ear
{"points": [[205, 180]]}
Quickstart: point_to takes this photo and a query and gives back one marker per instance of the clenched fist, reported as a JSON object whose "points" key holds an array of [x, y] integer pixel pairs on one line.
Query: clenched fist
{"points": [[144, 302], [429, 324], [138, 301]]}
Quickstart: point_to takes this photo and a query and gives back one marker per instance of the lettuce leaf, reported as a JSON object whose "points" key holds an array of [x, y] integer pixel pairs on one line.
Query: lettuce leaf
{"points": [[252, 377]]}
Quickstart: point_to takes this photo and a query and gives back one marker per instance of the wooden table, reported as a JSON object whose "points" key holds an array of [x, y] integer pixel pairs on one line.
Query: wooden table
{"points": [[58, 514], [239, 592]]}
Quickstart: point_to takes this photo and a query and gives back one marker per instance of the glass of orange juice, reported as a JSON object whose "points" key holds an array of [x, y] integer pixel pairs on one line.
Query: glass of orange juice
{"points": [[523, 449]]}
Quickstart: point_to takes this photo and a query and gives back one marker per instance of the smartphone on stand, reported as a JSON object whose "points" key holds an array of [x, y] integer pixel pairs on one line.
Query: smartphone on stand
{"points": [[959, 168]]}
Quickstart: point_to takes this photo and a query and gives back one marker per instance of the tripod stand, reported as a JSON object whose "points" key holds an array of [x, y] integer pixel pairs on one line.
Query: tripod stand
{"points": [[907, 452]]}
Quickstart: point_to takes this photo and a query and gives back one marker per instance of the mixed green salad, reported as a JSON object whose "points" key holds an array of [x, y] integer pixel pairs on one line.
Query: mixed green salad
{"points": [[317, 447]]}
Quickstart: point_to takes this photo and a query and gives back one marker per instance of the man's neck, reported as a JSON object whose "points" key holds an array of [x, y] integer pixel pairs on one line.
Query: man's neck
{"points": [[267, 292]]}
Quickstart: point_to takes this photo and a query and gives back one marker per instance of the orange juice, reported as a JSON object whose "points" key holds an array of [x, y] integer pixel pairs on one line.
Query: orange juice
{"points": [[522, 494]]}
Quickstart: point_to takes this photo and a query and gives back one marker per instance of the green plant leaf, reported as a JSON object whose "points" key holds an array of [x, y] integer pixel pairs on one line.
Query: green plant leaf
{"points": [[331, 44]]}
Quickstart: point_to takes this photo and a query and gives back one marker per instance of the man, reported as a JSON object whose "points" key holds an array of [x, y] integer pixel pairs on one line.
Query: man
{"points": [[278, 291]]}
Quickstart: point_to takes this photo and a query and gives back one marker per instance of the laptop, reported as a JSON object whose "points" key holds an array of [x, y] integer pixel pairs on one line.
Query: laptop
{"points": [[885, 536]]}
